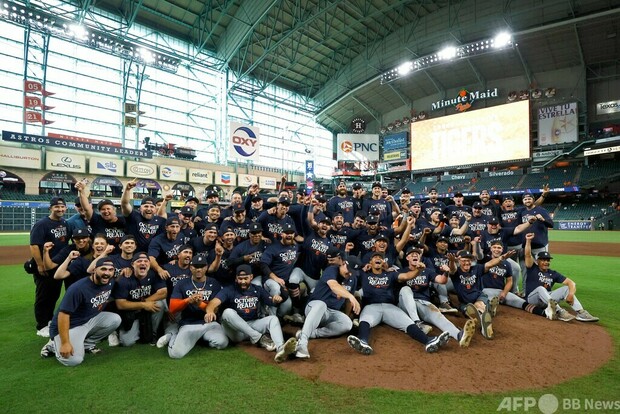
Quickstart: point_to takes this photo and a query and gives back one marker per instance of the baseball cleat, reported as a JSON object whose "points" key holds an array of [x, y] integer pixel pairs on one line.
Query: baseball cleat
{"points": [[359, 345], [287, 349], [550, 310], [266, 342], [93, 350], [302, 352], [295, 319], [486, 325], [44, 332], [584, 316], [563, 315], [161, 342], [113, 340], [447, 308], [437, 342], [472, 313], [469, 329], [48, 350], [493, 304]]}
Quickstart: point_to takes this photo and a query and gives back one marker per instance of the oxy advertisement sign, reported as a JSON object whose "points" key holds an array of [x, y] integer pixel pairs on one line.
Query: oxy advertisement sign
{"points": [[106, 166], [199, 176], [20, 157], [172, 173], [358, 147], [244, 142], [141, 170], [56, 161]]}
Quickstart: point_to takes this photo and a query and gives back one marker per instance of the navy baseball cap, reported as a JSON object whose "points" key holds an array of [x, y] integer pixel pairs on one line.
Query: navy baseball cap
{"points": [[493, 221], [199, 261], [464, 254], [138, 256], [104, 261], [257, 198], [104, 202], [80, 233], [187, 211], [413, 249], [477, 204], [377, 254], [237, 208], [321, 199], [508, 197], [459, 194], [244, 270], [442, 239], [405, 190], [353, 263], [525, 195], [284, 200], [333, 252], [173, 220], [256, 227], [127, 237], [214, 205], [321, 190], [356, 186], [372, 219], [148, 200], [225, 230], [325, 219], [212, 193], [57, 201], [544, 256], [376, 184], [337, 213], [382, 237], [288, 228], [211, 226], [194, 199], [186, 246]]}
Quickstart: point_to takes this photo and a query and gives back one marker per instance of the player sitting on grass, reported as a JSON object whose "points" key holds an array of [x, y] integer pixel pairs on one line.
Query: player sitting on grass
{"points": [[241, 317], [540, 281]]}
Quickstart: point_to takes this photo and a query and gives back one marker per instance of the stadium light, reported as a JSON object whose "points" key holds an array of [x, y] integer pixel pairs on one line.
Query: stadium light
{"points": [[501, 41]]}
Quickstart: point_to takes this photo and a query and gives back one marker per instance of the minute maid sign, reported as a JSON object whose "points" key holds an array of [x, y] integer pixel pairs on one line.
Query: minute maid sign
{"points": [[464, 99]]}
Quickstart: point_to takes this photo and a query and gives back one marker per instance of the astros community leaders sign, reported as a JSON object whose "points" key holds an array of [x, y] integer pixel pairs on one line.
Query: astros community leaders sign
{"points": [[81, 146]]}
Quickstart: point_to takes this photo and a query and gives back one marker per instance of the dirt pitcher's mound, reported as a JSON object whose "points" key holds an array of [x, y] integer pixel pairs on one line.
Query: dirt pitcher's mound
{"points": [[528, 351]]}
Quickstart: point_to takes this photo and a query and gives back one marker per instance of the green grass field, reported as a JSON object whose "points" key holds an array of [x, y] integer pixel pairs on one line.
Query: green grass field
{"points": [[143, 379]]}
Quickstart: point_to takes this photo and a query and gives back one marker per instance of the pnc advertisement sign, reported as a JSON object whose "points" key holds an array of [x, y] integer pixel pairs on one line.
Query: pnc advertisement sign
{"points": [[244, 142], [358, 147]]}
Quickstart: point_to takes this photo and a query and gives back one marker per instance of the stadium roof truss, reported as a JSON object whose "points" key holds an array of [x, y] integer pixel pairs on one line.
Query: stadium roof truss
{"points": [[333, 52]]}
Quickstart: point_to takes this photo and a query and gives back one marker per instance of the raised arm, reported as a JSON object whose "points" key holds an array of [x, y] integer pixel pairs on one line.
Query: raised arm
{"points": [[126, 206], [527, 251]]}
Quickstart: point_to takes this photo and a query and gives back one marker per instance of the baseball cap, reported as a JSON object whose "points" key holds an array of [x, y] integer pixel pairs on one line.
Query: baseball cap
{"points": [[497, 241], [104, 202], [442, 239], [321, 190], [187, 211], [527, 195], [405, 190], [212, 193], [226, 229], [333, 252], [413, 249], [288, 228], [508, 197], [57, 201], [415, 203], [127, 237], [372, 219], [477, 204], [325, 219], [243, 270], [186, 246], [464, 254], [377, 254], [138, 256], [194, 199], [199, 260], [493, 220], [80, 233], [356, 186], [544, 256], [214, 205], [173, 220], [238, 208], [361, 215], [321, 199], [256, 197], [211, 226], [104, 261], [256, 227], [376, 184], [337, 213], [148, 200], [284, 200], [459, 194], [353, 263], [382, 237]]}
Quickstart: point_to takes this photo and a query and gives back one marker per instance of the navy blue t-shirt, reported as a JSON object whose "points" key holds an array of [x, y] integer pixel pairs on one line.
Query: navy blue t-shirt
{"points": [[420, 284], [247, 303], [119, 263], [48, 230], [165, 250], [323, 292], [136, 290], [313, 258], [144, 230], [342, 205], [281, 259], [536, 278], [468, 285], [272, 225], [176, 274], [192, 314], [495, 278], [378, 288], [114, 231]]}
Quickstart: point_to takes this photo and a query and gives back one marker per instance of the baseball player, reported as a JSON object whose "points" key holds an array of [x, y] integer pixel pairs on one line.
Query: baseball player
{"points": [[458, 207], [541, 222], [540, 281], [490, 209], [497, 282], [438, 258], [378, 306], [275, 218], [324, 316], [313, 259], [241, 316], [432, 204], [164, 247], [383, 207], [341, 203], [239, 223], [144, 225], [190, 298], [249, 252], [414, 298], [140, 300], [80, 321]]}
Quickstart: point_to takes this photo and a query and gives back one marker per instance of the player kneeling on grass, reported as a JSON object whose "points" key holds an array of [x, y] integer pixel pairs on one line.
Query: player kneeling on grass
{"points": [[378, 300], [540, 281], [497, 282], [243, 302], [415, 299], [332, 293], [191, 296], [467, 281], [80, 322]]}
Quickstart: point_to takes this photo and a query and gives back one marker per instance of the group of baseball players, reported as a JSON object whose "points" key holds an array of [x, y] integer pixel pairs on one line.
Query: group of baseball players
{"points": [[218, 275]]}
